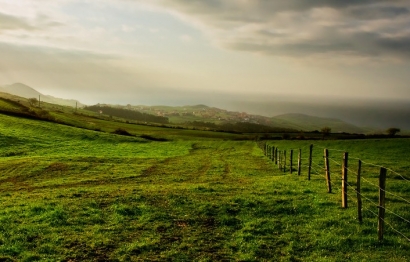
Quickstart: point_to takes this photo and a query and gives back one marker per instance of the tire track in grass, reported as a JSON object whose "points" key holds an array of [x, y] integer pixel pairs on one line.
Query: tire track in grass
{"points": [[187, 167]]}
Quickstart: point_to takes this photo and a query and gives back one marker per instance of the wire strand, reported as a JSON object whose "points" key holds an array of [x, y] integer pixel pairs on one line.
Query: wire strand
{"points": [[388, 210], [334, 161], [388, 192], [408, 239], [368, 199], [389, 169]]}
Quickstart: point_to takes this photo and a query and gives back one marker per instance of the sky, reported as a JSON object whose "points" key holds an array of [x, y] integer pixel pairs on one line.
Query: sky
{"points": [[240, 54]]}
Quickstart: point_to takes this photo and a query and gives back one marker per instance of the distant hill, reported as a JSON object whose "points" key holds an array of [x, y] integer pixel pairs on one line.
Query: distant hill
{"points": [[311, 123], [25, 91], [198, 115], [183, 114], [127, 114]]}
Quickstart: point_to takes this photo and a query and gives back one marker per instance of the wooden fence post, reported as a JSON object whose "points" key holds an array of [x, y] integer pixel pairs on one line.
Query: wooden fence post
{"points": [[291, 161], [284, 161], [327, 168], [276, 155], [280, 160], [272, 153], [359, 196], [382, 195], [299, 161], [310, 161], [344, 180]]}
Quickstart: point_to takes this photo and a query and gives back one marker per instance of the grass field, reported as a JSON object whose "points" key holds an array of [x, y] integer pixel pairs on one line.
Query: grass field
{"points": [[69, 194]]}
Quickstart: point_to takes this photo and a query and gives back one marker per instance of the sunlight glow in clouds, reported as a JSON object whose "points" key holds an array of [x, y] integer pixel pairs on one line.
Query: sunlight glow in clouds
{"points": [[145, 52]]}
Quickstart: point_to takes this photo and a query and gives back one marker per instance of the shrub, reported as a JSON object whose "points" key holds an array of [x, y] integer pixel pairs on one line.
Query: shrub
{"points": [[122, 132]]}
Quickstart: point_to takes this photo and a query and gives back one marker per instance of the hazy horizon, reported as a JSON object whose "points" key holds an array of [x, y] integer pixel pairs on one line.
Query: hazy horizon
{"points": [[345, 59], [372, 113]]}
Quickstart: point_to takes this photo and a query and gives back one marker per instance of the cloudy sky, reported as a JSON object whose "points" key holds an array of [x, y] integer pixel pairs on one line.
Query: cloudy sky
{"points": [[207, 51]]}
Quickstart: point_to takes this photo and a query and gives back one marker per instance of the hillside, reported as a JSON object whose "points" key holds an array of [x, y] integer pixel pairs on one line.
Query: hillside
{"points": [[16, 106], [25, 91], [310, 123], [201, 115]]}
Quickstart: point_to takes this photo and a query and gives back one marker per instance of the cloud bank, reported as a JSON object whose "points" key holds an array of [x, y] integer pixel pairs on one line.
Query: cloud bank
{"points": [[299, 28], [9, 22]]}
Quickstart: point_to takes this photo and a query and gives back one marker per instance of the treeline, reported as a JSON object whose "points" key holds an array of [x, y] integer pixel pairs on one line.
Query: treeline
{"points": [[127, 114], [239, 127]]}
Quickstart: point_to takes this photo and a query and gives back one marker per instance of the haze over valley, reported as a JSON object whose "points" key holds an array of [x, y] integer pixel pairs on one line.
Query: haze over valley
{"points": [[314, 117]]}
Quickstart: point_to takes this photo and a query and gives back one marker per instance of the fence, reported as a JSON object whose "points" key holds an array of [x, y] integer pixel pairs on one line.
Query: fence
{"points": [[326, 166]]}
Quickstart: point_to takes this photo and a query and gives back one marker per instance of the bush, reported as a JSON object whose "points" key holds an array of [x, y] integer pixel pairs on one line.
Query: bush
{"points": [[122, 132]]}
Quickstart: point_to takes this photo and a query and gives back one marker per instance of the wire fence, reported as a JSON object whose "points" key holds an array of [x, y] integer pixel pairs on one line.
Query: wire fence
{"points": [[371, 194]]}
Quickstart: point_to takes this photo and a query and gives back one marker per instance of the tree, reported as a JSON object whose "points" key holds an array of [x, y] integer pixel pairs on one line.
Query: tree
{"points": [[33, 101], [393, 131], [325, 131]]}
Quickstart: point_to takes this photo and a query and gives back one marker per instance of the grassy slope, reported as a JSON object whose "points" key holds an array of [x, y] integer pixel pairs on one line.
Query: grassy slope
{"points": [[291, 121], [72, 194], [89, 120], [135, 129]]}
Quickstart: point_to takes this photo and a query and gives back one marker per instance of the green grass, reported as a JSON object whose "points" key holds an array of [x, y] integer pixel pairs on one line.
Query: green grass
{"points": [[4, 104], [89, 121], [69, 194], [92, 121]]}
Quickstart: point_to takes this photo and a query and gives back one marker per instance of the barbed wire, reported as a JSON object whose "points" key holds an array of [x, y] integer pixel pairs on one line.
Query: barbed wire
{"points": [[408, 239], [320, 166], [351, 171], [376, 205], [317, 168], [388, 192], [365, 162], [388, 210], [334, 161], [380, 166], [368, 199], [315, 172], [394, 172], [337, 150]]}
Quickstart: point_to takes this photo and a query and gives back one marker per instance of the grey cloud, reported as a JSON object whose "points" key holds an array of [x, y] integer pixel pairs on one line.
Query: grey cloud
{"points": [[377, 12], [358, 44], [303, 28], [270, 6], [259, 10], [8, 22]]}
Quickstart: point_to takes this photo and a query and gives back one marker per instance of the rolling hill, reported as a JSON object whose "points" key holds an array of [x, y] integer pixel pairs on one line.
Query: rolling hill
{"points": [[187, 114], [204, 113], [25, 91]]}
